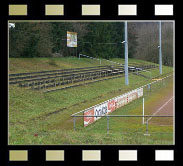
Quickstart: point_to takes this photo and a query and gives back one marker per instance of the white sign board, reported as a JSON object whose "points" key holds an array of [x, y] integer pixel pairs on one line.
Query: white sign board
{"points": [[71, 39]]}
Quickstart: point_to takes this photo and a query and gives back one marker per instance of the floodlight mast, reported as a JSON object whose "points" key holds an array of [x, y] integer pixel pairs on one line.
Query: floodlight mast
{"points": [[126, 53], [160, 50]]}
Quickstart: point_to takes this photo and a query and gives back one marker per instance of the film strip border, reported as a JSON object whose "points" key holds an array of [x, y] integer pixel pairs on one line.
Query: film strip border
{"points": [[63, 155], [88, 10], [26, 157]]}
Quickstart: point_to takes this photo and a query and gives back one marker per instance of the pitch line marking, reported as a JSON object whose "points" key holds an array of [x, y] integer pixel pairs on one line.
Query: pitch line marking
{"points": [[161, 107]]}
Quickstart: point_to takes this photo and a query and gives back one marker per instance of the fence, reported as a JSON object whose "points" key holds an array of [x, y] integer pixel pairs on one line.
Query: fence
{"points": [[156, 85], [148, 90], [100, 60], [115, 116]]}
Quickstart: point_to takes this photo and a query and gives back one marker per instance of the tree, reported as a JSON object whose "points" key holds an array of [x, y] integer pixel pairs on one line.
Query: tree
{"points": [[29, 40], [148, 42]]}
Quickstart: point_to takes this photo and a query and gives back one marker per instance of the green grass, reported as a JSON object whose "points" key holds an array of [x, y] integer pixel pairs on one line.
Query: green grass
{"points": [[45, 118], [122, 61], [18, 65]]}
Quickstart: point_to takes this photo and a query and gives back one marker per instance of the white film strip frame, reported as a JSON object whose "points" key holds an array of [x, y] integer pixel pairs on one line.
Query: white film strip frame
{"points": [[91, 10]]}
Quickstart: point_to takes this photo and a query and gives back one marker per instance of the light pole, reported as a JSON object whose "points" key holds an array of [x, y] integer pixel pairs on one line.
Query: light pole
{"points": [[160, 50], [126, 53]]}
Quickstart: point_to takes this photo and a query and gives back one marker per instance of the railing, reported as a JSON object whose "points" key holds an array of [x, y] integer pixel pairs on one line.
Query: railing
{"points": [[149, 86], [108, 116], [143, 86]]}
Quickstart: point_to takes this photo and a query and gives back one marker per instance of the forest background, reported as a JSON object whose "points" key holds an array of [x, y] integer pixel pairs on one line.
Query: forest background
{"points": [[95, 39]]}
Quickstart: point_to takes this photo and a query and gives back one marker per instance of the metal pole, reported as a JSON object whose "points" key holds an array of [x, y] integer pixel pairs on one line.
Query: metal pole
{"points": [[143, 111], [107, 124], [150, 87], [74, 123], [73, 51], [147, 127], [126, 53], [160, 50]]}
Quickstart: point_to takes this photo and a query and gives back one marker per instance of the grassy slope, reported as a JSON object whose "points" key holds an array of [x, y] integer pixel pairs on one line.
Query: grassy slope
{"points": [[48, 115], [18, 65]]}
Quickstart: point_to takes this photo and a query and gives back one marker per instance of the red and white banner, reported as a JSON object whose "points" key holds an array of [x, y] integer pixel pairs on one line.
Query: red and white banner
{"points": [[88, 120], [110, 105]]}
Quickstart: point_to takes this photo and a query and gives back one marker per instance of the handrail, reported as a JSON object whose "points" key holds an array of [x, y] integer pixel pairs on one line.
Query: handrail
{"points": [[121, 94], [122, 115]]}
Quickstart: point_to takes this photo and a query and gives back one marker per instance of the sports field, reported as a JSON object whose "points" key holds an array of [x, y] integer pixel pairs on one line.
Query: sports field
{"points": [[38, 118]]}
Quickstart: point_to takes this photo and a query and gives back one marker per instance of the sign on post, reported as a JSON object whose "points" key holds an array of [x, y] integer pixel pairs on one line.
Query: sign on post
{"points": [[71, 39]]}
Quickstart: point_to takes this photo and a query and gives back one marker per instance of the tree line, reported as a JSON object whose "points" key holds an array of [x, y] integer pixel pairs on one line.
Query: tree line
{"points": [[96, 39]]}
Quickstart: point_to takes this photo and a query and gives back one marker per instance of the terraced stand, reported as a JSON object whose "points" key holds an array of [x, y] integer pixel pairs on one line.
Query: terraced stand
{"points": [[52, 73], [55, 78]]}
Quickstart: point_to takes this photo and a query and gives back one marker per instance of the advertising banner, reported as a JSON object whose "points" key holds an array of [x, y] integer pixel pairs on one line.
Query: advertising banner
{"points": [[111, 105], [88, 120], [71, 39], [101, 110]]}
